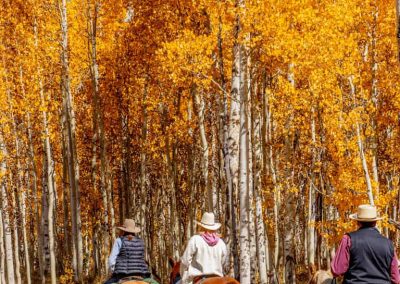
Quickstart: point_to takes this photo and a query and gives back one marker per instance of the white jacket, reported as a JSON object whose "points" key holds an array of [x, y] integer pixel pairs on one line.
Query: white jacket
{"points": [[200, 258]]}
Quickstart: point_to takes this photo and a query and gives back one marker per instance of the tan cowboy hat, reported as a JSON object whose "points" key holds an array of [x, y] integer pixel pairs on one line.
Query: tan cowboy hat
{"points": [[366, 213], [208, 222], [129, 226]]}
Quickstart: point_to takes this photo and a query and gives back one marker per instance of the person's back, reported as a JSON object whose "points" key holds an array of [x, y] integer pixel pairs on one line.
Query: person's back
{"points": [[130, 259], [371, 256], [205, 254], [365, 256], [207, 260], [127, 258]]}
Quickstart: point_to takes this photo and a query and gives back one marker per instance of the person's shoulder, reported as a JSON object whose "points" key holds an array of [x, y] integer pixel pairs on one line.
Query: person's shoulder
{"points": [[221, 242], [195, 238]]}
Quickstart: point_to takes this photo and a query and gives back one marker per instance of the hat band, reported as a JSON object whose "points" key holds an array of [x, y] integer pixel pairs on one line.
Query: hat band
{"points": [[207, 224]]}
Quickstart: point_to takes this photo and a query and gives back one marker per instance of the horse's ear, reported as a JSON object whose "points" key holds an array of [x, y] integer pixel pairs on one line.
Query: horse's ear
{"points": [[171, 262]]}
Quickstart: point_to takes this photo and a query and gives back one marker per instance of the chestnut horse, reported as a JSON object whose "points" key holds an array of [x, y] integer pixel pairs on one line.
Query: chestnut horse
{"points": [[175, 276]]}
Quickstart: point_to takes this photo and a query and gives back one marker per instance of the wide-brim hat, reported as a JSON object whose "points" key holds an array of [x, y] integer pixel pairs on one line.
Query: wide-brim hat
{"points": [[129, 226], [208, 222], [366, 213]]}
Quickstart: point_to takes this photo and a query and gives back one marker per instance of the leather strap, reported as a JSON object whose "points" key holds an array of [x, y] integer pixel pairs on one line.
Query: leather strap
{"points": [[198, 279]]}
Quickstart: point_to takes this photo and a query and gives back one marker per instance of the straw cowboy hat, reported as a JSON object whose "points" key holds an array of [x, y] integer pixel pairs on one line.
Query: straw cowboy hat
{"points": [[366, 213], [208, 222], [129, 226]]}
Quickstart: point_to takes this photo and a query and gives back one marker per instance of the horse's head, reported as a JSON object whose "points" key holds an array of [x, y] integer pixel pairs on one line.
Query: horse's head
{"points": [[174, 276]]}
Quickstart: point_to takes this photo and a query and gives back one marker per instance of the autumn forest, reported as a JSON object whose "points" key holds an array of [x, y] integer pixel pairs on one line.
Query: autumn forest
{"points": [[281, 117]]}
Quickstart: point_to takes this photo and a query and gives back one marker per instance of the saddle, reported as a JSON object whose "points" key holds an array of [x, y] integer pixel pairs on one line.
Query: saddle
{"points": [[201, 278]]}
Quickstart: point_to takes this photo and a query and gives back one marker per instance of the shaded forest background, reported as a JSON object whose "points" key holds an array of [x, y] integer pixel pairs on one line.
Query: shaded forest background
{"points": [[279, 116]]}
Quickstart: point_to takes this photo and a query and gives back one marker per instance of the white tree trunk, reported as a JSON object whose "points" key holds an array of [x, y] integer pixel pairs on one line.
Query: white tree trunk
{"points": [[50, 189], [200, 107], [6, 216], [261, 241], [244, 237], [374, 98], [73, 165], [289, 261], [21, 190], [249, 112], [361, 151], [2, 250], [311, 198]]}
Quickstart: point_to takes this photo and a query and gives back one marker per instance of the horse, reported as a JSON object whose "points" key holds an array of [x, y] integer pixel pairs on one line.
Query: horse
{"points": [[321, 276], [130, 280], [175, 276]]}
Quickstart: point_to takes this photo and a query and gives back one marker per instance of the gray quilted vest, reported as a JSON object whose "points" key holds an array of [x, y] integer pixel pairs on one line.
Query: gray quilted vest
{"points": [[371, 256], [130, 259]]}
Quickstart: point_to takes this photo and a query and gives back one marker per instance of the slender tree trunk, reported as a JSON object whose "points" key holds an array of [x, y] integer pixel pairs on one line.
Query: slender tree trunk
{"points": [[70, 124], [6, 216], [233, 149], [374, 98], [289, 258], [361, 151], [249, 109], [229, 148], [20, 188], [98, 131], [143, 172], [311, 198], [244, 233], [2, 250], [200, 107], [50, 188], [261, 241]]}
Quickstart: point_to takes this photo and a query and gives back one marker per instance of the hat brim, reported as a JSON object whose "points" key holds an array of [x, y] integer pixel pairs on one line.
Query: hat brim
{"points": [[355, 217], [130, 230], [214, 227]]}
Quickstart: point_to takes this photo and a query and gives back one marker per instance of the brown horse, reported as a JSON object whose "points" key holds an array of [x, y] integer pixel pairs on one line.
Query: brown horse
{"points": [[175, 276]]}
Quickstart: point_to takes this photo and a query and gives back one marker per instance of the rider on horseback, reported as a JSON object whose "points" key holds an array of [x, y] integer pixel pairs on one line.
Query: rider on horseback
{"points": [[127, 256], [365, 256], [205, 254]]}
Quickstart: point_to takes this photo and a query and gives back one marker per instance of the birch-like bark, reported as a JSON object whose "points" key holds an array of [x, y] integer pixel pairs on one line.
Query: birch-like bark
{"points": [[289, 260], [249, 110], [244, 233], [6, 216], [143, 171], [200, 107], [98, 131], [2, 250], [276, 188], [20, 188], [226, 122], [261, 240], [49, 173], [361, 150], [311, 197], [233, 146], [70, 125], [16, 205], [374, 97]]}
